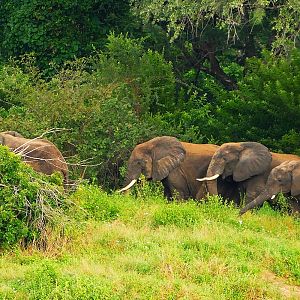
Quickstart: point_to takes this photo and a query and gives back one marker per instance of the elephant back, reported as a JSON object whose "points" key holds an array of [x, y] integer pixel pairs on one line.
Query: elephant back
{"points": [[279, 158]]}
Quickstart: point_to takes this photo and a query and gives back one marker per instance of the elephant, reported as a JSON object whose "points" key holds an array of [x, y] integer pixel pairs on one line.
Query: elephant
{"points": [[176, 164], [246, 163], [284, 178], [13, 133], [242, 161], [42, 155]]}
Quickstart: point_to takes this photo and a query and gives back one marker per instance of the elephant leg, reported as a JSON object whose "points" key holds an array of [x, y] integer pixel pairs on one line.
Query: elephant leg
{"points": [[229, 190], [202, 192], [167, 190], [254, 187], [294, 205], [178, 186]]}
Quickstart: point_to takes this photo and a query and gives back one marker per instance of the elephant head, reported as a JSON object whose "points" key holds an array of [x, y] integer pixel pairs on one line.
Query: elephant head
{"points": [[155, 159], [239, 160], [284, 178]]}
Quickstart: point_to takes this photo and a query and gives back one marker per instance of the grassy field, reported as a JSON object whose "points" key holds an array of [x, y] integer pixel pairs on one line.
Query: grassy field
{"points": [[123, 247]]}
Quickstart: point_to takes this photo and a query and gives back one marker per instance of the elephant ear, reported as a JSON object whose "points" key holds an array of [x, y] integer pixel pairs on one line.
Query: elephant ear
{"points": [[167, 154], [254, 159], [295, 188]]}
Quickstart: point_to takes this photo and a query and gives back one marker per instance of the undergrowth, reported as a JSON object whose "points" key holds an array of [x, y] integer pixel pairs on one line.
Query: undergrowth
{"points": [[143, 247]]}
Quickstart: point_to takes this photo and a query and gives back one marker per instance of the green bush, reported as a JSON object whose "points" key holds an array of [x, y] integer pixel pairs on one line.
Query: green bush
{"points": [[28, 201], [266, 107], [15, 86], [95, 204], [106, 108]]}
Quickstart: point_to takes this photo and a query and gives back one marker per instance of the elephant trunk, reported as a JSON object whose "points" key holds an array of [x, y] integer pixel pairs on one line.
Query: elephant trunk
{"points": [[212, 187], [259, 200], [214, 170]]}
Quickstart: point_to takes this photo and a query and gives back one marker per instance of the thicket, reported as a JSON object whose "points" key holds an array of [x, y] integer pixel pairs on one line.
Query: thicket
{"points": [[57, 30], [203, 72], [30, 203], [106, 103], [125, 95]]}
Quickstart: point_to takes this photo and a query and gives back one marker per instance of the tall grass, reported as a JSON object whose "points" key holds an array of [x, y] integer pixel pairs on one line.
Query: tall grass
{"points": [[146, 248]]}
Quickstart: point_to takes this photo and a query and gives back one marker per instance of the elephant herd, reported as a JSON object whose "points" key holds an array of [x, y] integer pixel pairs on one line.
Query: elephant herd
{"points": [[246, 170]]}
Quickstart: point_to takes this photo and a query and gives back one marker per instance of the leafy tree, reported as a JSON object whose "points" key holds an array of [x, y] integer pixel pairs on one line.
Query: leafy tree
{"points": [[58, 30], [206, 31], [266, 107]]}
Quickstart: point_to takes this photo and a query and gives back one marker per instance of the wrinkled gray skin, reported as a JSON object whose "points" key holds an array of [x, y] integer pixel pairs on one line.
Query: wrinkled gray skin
{"points": [[176, 164], [245, 163], [248, 164], [284, 178], [40, 154]]}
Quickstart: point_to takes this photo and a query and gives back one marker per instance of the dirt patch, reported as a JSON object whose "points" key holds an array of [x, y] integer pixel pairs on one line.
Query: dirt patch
{"points": [[288, 291]]}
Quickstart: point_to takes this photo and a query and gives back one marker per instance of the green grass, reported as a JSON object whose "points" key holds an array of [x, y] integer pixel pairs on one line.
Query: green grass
{"points": [[145, 248]]}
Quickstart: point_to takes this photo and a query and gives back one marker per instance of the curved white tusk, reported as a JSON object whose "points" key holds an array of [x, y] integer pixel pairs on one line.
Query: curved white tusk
{"points": [[273, 196], [208, 178], [128, 186]]}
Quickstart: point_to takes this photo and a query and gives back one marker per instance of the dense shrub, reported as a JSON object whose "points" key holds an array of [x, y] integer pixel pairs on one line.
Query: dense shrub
{"points": [[59, 30], [15, 85], [28, 201], [104, 103], [266, 107]]}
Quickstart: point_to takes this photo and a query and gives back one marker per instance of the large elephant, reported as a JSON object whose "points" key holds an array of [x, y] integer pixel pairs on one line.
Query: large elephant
{"points": [[247, 163], [284, 178], [242, 161], [42, 155], [176, 164]]}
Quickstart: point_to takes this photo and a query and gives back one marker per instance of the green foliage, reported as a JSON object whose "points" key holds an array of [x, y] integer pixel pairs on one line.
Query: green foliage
{"points": [[178, 214], [266, 108], [106, 111], [59, 30], [14, 86], [94, 203], [146, 74], [28, 201]]}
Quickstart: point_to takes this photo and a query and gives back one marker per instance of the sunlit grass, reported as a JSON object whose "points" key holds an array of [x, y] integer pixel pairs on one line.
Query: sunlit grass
{"points": [[146, 248]]}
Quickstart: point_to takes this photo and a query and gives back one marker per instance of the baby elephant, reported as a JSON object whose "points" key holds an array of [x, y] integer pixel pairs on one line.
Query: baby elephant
{"points": [[284, 178]]}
